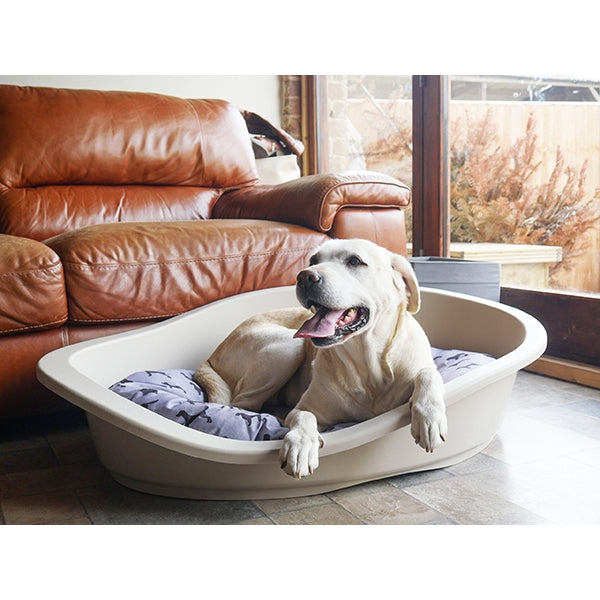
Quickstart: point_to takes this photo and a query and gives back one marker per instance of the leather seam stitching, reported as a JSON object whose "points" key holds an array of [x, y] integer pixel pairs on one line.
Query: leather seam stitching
{"points": [[32, 327], [114, 266], [33, 272]]}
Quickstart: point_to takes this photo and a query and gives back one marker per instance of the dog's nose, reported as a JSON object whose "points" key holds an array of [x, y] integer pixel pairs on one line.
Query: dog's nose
{"points": [[307, 278]]}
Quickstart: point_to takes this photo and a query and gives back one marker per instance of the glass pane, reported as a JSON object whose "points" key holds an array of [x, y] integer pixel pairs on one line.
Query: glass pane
{"points": [[525, 178], [368, 123]]}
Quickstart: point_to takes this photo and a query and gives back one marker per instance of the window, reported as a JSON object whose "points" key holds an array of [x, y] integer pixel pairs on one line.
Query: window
{"points": [[367, 124], [484, 169], [525, 187], [525, 178]]}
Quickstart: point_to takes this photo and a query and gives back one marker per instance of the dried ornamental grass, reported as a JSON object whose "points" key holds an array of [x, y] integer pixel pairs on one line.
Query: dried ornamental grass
{"points": [[493, 201], [492, 197]]}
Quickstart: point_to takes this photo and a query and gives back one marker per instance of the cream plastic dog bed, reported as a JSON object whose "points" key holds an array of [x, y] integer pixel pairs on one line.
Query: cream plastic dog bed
{"points": [[147, 452]]}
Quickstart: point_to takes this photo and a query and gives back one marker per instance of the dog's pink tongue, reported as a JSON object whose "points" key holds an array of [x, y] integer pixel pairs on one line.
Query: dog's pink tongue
{"points": [[321, 325]]}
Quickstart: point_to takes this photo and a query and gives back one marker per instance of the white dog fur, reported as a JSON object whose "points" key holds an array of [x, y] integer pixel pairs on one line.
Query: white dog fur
{"points": [[353, 352]]}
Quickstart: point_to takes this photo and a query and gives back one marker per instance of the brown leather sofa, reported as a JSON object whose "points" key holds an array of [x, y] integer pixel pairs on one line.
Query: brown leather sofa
{"points": [[119, 209]]}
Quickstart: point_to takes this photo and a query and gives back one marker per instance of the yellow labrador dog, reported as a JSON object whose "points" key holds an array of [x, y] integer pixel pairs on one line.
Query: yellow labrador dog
{"points": [[353, 352]]}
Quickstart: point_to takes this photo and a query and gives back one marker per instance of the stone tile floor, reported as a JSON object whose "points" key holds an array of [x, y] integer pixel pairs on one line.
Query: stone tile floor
{"points": [[543, 467]]}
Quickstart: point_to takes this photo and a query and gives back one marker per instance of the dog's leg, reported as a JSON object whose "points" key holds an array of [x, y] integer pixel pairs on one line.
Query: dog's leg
{"points": [[214, 386], [299, 454], [254, 376], [271, 366], [255, 361], [428, 410]]}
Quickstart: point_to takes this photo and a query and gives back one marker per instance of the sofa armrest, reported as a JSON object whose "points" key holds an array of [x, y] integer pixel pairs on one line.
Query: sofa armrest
{"points": [[315, 200]]}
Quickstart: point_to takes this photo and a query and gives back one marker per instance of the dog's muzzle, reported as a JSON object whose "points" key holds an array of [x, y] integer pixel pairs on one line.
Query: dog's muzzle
{"points": [[330, 325]]}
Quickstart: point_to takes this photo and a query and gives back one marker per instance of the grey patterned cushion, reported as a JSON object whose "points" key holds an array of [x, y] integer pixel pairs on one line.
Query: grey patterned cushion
{"points": [[173, 394]]}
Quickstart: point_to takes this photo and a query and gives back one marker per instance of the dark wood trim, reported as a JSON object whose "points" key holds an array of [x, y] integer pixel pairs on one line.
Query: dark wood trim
{"points": [[313, 100], [567, 370], [572, 322], [431, 225]]}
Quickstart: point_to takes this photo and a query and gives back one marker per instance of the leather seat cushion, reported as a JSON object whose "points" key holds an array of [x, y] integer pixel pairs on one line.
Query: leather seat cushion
{"points": [[132, 271], [32, 286]]}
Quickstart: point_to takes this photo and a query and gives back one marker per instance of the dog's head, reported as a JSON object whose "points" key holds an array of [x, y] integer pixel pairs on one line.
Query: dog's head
{"points": [[348, 284]]}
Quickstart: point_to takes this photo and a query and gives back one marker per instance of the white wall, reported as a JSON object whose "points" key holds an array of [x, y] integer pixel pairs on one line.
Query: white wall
{"points": [[258, 93]]}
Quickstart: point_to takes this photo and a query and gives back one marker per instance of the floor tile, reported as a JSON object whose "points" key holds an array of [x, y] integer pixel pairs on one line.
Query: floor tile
{"points": [[468, 503], [533, 382], [26, 459], [256, 521], [408, 479], [379, 503], [571, 417], [44, 509], [23, 442], [115, 504], [72, 446], [561, 490], [62, 477], [589, 457], [589, 407], [11, 441], [537, 391], [324, 514], [75, 521], [441, 521], [523, 439], [476, 464], [579, 390], [283, 504]]}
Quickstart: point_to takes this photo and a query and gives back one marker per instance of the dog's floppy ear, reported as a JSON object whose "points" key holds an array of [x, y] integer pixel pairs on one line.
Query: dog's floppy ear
{"points": [[404, 269]]}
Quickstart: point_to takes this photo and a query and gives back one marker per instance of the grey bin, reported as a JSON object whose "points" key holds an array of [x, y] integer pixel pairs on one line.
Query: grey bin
{"points": [[477, 278]]}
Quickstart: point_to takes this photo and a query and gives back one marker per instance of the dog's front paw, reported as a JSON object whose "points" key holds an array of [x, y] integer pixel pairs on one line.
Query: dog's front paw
{"points": [[299, 454], [428, 425]]}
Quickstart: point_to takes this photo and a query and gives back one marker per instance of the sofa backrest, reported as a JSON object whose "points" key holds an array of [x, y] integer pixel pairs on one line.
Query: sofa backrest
{"points": [[70, 158]]}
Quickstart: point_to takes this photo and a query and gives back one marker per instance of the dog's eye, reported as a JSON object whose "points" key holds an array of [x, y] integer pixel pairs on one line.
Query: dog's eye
{"points": [[355, 261], [314, 260]]}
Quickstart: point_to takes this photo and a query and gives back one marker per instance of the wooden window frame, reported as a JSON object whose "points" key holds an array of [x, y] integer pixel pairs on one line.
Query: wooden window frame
{"points": [[431, 176], [313, 111]]}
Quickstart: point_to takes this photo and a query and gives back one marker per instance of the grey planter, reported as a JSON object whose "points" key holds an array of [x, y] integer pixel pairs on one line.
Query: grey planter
{"points": [[477, 278]]}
